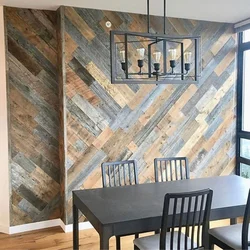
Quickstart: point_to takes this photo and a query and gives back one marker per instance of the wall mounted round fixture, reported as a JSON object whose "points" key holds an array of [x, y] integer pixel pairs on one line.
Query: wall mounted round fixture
{"points": [[108, 24]]}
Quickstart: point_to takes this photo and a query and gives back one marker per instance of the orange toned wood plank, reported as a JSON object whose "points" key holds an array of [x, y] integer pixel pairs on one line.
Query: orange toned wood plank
{"points": [[113, 17], [75, 85], [140, 95], [196, 149], [94, 180], [156, 105], [25, 118], [50, 187], [119, 141], [32, 82], [103, 138], [209, 106], [24, 28], [79, 23], [185, 97], [171, 123], [49, 152], [178, 26], [78, 165], [18, 217], [230, 168], [21, 101], [70, 47], [73, 126], [217, 46], [128, 94], [225, 63], [228, 119], [132, 147], [106, 84], [72, 153], [214, 166]]}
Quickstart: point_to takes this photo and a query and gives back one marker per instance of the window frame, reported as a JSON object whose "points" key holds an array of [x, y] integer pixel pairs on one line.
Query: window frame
{"points": [[240, 134]]}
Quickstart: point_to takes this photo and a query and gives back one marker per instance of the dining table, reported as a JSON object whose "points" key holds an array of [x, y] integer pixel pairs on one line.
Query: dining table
{"points": [[127, 210]]}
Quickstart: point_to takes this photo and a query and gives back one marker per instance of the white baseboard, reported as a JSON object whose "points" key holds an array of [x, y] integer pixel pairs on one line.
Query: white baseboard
{"points": [[4, 229], [82, 226], [35, 226], [43, 225]]}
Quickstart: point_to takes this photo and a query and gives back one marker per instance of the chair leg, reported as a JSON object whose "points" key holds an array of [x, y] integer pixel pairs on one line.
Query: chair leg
{"points": [[211, 244], [136, 236], [233, 221], [157, 231], [136, 247], [118, 243]]}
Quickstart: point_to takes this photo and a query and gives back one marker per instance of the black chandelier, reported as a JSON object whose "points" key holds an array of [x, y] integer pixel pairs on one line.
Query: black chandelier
{"points": [[154, 58]]}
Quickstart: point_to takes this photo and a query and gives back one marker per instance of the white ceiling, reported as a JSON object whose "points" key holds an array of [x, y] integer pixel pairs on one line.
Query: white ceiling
{"points": [[211, 10]]}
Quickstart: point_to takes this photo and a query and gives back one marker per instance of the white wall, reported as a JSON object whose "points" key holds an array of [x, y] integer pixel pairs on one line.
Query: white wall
{"points": [[4, 159], [231, 11]]}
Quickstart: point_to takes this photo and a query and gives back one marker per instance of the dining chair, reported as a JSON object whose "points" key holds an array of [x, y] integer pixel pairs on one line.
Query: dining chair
{"points": [[119, 173], [171, 169], [234, 236], [185, 223]]}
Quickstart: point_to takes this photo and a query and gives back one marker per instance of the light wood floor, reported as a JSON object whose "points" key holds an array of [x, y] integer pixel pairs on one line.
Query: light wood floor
{"points": [[56, 239]]}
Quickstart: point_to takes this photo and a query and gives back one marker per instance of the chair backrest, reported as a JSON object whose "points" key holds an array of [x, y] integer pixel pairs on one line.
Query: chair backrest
{"points": [[171, 169], [245, 226], [183, 212], [119, 173]]}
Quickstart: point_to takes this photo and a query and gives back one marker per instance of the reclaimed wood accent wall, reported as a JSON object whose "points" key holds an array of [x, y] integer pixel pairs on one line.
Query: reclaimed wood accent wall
{"points": [[61, 99], [106, 122], [33, 115]]}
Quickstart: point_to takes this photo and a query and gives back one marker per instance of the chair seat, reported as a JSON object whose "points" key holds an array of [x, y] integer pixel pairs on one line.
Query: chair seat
{"points": [[153, 242], [230, 235]]}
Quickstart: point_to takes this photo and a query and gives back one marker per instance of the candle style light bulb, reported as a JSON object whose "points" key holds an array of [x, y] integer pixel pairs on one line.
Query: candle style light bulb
{"points": [[157, 56], [188, 57], [187, 60], [123, 60], [141, 53], [140, 56], [122, 56], [157, 59], [172, 54], [172, 58]]}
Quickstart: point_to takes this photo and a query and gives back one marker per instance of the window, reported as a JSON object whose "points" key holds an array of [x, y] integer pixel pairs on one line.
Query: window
{"points": [[246, 91], [243, 104], [246, 36]]}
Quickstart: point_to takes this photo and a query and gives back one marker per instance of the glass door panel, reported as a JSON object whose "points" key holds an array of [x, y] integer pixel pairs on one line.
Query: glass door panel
{"points": [[246, 36], [245, 170], [243, 106], [245, 148], [246, 92]]}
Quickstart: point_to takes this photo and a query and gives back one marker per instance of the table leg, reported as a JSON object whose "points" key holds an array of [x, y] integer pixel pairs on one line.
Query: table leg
{"points": [[105, 235], [233, 221], [75, 228]]}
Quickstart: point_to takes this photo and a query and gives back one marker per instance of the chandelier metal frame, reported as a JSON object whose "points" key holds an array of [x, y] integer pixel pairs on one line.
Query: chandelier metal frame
{"points": [[156, 73]]}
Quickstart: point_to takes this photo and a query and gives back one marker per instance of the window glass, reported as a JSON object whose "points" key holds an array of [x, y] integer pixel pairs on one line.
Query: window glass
{"points": [[245, 170], [246, 36], [245, 148], [246, 92]]}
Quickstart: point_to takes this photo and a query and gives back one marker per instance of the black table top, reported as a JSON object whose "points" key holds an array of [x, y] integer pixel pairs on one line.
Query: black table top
{"points": [[127, 203]]}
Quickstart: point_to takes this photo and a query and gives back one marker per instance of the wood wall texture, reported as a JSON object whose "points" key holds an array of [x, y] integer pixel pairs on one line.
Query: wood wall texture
{"points": [[99, 121], [108, 122], [33, 115]]}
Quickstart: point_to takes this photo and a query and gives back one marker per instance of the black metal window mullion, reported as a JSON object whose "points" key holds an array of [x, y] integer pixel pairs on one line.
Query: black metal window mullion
{"points": [[239, 101], [240, 134]]}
